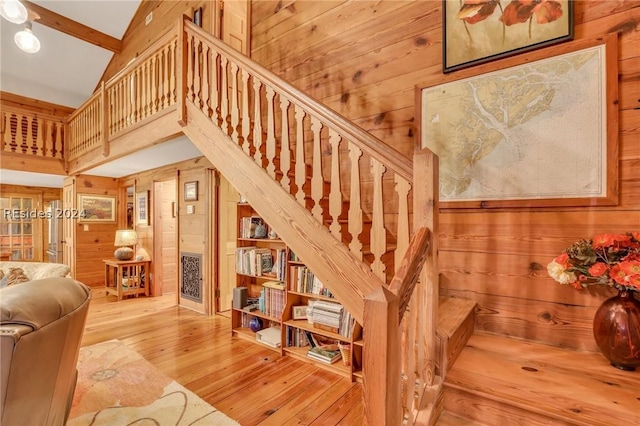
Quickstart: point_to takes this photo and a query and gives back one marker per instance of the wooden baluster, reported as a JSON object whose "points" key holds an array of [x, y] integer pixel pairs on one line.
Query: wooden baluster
{"points": [[46, 145], [121, 115], [162, 81], [402, 189], [154, 85], [285, 149], [271, 133], [170, 74], [13, 121], [378, 234], [132, 99], [215, 88], [317, 182], [59, 139], [197, 73], [335, 195], [235, 113], [246, 120], [30, 140], [139, 94], [301, 167], [24, 127], [257, 121], [224, 95], [3, 130], [145, 90], [189, 67], [172, 67], [206, 80], [355, 207]]}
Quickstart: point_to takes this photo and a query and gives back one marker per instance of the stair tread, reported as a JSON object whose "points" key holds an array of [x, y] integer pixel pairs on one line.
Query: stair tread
{"points": [[572, 386], [450, 419], [452, 311]]}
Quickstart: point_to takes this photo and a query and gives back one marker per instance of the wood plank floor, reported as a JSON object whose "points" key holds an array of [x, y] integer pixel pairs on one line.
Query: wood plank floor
{"points": [[249, 383]]}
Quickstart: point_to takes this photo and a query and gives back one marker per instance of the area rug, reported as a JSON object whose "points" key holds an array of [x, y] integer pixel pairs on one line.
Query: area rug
{"points": [[117, 386]]}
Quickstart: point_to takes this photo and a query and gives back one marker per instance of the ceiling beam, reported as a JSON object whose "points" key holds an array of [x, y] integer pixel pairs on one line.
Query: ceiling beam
{"points": [[75, 29]]}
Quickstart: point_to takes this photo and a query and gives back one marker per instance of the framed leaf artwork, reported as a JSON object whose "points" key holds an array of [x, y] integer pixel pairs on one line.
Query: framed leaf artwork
{"points": [[479, 31]]}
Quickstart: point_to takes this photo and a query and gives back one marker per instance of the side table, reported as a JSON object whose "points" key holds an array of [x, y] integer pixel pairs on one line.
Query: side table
{"points": [[126, 277]]}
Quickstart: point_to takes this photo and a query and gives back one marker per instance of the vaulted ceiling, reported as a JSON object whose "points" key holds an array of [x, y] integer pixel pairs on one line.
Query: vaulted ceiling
{"points": [[67, 70]]}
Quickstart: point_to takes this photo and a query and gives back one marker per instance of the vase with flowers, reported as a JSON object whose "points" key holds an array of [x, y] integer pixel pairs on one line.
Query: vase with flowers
{"points": [[611, 260]]}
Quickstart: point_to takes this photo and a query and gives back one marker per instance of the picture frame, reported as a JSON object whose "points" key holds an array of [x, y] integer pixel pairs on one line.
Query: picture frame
{"points": [[299, 312], [96, 208], [526, 154], [478, 32], [197, 17], [142, 208], [191, 191]]}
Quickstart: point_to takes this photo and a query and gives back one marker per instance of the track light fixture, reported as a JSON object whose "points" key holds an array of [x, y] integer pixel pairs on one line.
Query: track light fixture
{"points": [[13, 11], [26, 40]]}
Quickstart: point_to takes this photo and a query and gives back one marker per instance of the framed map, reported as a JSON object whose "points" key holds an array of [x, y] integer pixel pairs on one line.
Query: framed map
{"points": [[538, 133]]}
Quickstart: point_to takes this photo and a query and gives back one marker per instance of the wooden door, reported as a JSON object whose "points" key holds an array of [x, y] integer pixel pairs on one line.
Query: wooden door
{"points": [[227, 234], [69, 226], [235, 25], [165, 241]]}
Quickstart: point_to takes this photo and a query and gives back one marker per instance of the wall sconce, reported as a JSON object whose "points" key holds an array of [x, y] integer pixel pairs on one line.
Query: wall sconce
{"points": [[26, 40], [13, 11], [124, 239]]}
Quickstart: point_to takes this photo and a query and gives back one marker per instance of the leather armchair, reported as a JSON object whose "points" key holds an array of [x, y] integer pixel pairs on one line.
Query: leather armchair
{"points": [[41, 326]]}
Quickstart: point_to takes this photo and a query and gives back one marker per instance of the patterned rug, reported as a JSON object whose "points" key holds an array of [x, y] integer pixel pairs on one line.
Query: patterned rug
{"points": [[117, 386]]}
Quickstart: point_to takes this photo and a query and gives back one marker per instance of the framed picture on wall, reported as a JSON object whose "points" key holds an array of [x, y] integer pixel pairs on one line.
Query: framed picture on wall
{"points": [[96, 208], [142, 208], [475, 32], [191, 191]]}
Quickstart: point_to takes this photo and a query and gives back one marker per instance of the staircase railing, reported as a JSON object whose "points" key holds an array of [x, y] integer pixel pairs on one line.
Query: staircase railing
{"points": [[307, 149], [142, 90], [32, 134], [348, 190]]}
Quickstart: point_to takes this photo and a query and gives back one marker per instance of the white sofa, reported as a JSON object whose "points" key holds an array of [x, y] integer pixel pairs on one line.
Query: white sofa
{"points": [[37, 270]]}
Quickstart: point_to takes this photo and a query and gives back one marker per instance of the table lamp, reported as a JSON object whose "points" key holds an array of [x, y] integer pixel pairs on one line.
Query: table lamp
{"points": [[124, 239]]}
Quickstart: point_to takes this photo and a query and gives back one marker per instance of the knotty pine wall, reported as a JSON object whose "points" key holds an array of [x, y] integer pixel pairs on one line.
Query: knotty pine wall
{"points": [[139, 36], [96, 242], [364, 59], [194, 235]]}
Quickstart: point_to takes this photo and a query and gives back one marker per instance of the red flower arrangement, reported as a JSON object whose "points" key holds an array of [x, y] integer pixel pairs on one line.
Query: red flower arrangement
{"points": [[607, 259]]}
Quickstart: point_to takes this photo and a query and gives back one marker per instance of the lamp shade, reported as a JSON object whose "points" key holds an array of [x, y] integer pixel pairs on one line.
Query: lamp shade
{"points": [[126, 237], [13, 11]]}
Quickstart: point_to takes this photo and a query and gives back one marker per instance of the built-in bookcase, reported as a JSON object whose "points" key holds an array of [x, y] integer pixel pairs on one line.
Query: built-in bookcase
{"points": [[264, 264]]}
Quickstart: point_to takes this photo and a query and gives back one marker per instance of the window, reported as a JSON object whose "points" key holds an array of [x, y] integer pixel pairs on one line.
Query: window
{"points": [[17, 228]]}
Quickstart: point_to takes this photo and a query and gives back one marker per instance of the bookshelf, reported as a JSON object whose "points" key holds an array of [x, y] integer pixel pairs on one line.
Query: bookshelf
{"points": [[288, 289]]}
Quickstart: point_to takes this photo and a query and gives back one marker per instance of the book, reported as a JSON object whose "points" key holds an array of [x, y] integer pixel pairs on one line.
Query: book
{"points": [[324, 355]]}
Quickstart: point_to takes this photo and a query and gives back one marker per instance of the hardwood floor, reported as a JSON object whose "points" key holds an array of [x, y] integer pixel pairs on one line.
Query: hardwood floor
{"points": [[251, 384]]}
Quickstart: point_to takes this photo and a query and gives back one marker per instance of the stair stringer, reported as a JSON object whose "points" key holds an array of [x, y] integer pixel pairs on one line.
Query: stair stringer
{"points": [[348, 278]]}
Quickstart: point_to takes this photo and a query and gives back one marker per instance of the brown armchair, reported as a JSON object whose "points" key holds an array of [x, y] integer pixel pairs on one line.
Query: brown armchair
{"points": [[41, 326]]}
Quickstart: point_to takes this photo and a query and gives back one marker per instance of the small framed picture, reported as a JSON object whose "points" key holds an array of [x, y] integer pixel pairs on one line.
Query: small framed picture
{"points": [[191, 191], [142, 208], [197, 17], [299, 312]]}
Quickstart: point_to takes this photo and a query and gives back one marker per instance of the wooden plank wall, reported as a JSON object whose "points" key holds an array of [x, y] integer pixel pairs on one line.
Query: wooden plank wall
{"points": [[192, 235], [364, 58], [95, 241], [140, 36]]}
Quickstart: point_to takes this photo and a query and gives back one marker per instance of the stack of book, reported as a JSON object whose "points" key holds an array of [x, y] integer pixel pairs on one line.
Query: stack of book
{"points": [[326, 315], [306, 282], [253, 227], [273, 298], [324, 355], [260, 261]]}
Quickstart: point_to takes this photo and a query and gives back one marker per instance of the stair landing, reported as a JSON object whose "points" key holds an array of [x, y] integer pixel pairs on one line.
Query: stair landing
{"points": [[502, 381]]}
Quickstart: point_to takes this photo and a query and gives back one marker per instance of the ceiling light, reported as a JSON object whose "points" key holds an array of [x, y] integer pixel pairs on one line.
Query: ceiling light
{"points": [[26, 41], [13, 11]]}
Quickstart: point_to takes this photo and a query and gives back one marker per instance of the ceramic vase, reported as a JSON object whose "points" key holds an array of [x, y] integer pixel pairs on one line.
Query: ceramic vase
{"points": [[616, 328]]}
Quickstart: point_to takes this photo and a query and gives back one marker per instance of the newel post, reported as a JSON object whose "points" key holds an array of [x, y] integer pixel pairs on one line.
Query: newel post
{"points": [[181, 73], [425, 214], [381, 359]]}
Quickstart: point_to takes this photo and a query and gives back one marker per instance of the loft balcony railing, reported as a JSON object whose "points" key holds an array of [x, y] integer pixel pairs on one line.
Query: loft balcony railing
{"points": [[306, 149], [32, 134]]}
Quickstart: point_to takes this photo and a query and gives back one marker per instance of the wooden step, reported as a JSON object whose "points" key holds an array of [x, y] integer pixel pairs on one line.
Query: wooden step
{"points": [[449, 419], [455, 326], [501, 381]]}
